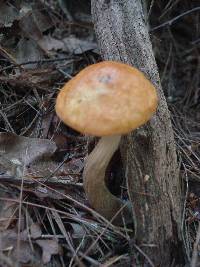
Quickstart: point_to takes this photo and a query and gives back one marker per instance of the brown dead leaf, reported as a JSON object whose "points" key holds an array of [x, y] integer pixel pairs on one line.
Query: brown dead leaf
{"points": [[80, 12], [49, 247], [35, 158], [25, 254], [43, 20], [70, 44], [49, 43], [35, 230], [8, 14], [77, 45], [8, 243], [7, 212], [29, 27], [26, 51], [23, 156], [35, 22]]}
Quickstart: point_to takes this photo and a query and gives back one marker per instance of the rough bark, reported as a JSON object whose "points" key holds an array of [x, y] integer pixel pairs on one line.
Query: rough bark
{"points": [[148, 154]]}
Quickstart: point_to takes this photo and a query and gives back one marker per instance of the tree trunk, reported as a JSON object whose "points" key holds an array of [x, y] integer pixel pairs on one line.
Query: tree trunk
{"points": [[148, 153]]}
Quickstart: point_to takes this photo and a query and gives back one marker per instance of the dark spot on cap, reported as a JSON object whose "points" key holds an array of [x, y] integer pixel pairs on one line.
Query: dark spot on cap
{"points": [[105, 79]]}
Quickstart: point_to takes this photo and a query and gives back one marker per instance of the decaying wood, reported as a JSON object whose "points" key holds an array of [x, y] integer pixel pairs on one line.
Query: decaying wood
{"points": [[148, 154]]}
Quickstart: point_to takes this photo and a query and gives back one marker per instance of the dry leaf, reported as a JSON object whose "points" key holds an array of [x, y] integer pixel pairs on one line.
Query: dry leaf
{"points": [[34, 22], [49, 247], [49, 43], [35, 230], [8, 14], [26, 51], [8, 243], [23, 156], [77, 46], [7, 212]]}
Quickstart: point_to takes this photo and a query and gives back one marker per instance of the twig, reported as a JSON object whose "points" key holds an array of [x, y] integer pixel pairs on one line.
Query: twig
{"points": [[70, 60], [113, 260], [104, 230], [170, 22], [69, 215], [195, 249], [195, 41], [184, 215], [144, 255], [61, 226], [7, 121], [20, 214]]}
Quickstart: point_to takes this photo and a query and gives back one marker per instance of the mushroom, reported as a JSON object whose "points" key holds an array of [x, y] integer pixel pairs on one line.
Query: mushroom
{"points": [[107, 100]]}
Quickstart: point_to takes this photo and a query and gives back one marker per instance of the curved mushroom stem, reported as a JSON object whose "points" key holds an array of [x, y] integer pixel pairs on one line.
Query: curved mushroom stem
{"points": [[100, 198]]}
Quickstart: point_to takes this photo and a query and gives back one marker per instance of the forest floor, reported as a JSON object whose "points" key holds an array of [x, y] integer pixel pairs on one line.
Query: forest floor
{"points": [[45, 219]]}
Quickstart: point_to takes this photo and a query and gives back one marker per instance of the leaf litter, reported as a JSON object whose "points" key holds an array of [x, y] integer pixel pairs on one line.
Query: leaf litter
{"points": [[45, 219]]}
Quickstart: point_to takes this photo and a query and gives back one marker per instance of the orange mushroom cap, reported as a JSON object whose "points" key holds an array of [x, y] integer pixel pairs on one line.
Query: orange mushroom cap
{"points": [[107, 98]]}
